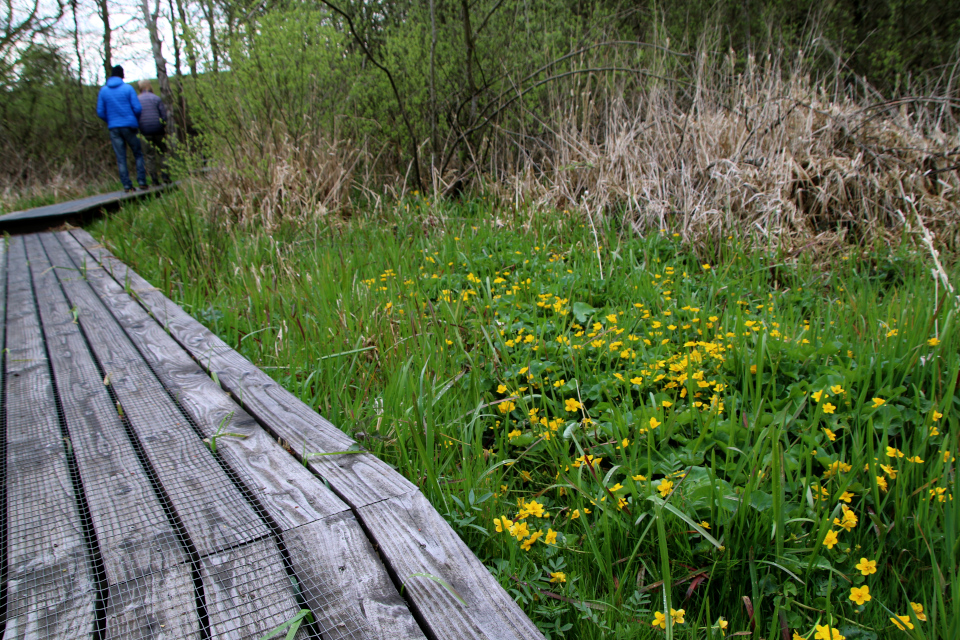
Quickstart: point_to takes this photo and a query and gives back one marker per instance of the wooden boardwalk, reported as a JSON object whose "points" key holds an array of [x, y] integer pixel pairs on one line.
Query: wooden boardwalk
{"points": [[72, 211], [146, 494]]}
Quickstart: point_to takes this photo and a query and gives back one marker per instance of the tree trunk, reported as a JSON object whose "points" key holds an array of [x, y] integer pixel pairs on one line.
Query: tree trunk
{"points": [[188, 40], [104, 12], [208, 13], [156, 45], [434, 142], [181, 110]]}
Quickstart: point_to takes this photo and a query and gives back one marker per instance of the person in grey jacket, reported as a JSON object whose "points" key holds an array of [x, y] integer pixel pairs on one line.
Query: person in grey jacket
{"points": [[117, 105], [153, 127]]}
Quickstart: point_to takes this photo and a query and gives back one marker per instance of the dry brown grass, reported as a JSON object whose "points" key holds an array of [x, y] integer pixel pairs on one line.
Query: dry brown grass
{"points": [[703, 147], [765, 153], [271, 178]]}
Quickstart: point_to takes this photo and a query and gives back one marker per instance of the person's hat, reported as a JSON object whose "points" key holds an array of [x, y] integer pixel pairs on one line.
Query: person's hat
{"points": [[116, 72]]}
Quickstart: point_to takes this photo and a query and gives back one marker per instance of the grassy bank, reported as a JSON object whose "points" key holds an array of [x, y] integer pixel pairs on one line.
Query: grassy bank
{"points": [[618, 428]]}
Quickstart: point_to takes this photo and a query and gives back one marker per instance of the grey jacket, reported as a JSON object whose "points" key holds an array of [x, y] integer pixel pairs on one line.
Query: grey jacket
{"points": [[153, 118]]}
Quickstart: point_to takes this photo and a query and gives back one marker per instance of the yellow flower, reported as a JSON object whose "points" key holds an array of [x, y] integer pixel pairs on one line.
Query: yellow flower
{"points": [[654, 424], [677, 615], [860, 595], [893, 452], [824, 632], [519, 530], [867, 567], [705, 525], [639, 477], [558, 576], [502, 388], [828, 408], [502, 524], [836, 390], [900, 621], [933, 342], [575, 514], [877, 402], [665, 487], [659, 620], [529, 541], [918, 609], [706, 267], [882, 483], [551, 537], [817, 395], [636, 380], [506, 407], [722, 625], [831, 539], [572, 404], [937, 415], [625, 443], [846, 497], [830, 434]]}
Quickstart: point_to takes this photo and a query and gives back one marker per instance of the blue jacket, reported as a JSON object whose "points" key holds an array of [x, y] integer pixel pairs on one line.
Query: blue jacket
{"points": [[117, 104], [153, 118]]}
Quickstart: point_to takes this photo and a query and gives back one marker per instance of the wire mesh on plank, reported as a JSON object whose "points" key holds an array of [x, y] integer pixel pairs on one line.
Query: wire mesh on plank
{"points": [[152, 539]]}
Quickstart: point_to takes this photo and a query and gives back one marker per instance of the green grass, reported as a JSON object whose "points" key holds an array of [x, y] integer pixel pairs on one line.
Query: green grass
{"points": [[674, 432]]}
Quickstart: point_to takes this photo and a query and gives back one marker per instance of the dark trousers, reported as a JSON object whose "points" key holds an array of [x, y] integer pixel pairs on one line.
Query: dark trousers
{"points": [[155, 151], [120, 138]]}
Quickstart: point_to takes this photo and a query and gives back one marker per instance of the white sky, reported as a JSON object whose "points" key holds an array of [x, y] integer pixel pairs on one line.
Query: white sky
{"points": [[130, 40]]}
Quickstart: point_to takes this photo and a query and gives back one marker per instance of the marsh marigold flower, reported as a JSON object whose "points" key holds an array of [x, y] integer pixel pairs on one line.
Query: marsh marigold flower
{"points": [[571, 404], [558, 576], [824, 632], [877, 402], [665, 487], [860, 595], [867, 567], [677, 615], [918, 609], [831, 539], [659, 620], [903, 622], [828, 408]]}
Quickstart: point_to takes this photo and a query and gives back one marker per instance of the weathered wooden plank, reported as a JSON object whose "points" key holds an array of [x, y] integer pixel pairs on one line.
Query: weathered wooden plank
{"points": [[410, 535], [133, 532], [53, 212], [153, 607], [211, 508], [290, 494], [359, 479], [344, 582], [248, 592], [413, 538], [50, 590]]}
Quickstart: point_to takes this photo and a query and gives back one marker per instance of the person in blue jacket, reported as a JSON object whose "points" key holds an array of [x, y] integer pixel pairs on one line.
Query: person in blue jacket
{"points": [[118, 106]]}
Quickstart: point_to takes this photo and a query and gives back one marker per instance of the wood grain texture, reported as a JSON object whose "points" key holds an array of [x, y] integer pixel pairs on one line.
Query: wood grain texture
{"points": [[288, 492], [157, 606], [53, 212], [133, 532], [343, 580], [413, 538], [248, 592], [359, 479], [50, 591], [213, 511], [345, 584]]}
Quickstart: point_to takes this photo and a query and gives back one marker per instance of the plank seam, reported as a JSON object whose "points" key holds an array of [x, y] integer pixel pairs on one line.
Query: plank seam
{"points": [[90, 539], [182, 535], [273, 528]]}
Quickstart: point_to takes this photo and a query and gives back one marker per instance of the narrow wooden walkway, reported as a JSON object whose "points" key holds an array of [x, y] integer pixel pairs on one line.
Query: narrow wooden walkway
{"points": [[73, 211], [128, 512]]}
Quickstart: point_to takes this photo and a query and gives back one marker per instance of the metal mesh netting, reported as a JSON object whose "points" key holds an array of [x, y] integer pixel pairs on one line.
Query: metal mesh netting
{"points": [[120, 520]]}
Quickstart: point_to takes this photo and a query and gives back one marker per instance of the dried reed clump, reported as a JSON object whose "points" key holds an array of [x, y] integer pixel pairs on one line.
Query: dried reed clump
{"points": [[765, 154], [272, 178]]}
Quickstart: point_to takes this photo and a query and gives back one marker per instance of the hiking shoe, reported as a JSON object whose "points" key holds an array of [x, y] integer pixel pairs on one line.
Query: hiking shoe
{"points": [[127, 189]]}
